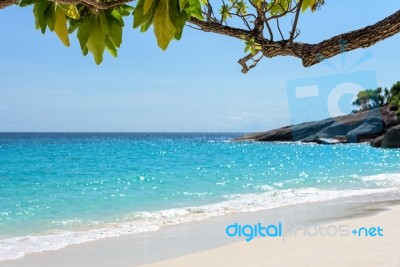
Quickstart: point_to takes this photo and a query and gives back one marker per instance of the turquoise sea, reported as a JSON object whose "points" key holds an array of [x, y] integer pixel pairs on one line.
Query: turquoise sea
{"points": [[60, 189]]}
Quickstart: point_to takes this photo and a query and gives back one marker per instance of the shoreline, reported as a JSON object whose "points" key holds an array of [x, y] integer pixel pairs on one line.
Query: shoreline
{"points": [[186, 239], [23, 246], [301, 250], [104, 199]]}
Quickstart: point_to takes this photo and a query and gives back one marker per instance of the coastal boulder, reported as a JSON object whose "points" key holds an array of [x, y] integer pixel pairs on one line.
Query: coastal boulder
{"points": [[392, 138], [389, 116], [351, 128], [377, 142], [371, 128], [328, 141]]}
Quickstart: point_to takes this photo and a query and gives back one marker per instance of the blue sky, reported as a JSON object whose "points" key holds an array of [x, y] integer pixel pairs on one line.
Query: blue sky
{"points": [[196, 85]]}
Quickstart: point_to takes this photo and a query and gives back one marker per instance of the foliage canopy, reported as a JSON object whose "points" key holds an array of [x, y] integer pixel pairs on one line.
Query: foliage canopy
{"points": [[374, 98], [99, 25]]}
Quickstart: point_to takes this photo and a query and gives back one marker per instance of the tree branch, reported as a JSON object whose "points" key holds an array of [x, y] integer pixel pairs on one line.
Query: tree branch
{"points": [[243, 62], [7, 3], [296, 20], [361, 38], [311, 54], [216, 27], [100, 5]]}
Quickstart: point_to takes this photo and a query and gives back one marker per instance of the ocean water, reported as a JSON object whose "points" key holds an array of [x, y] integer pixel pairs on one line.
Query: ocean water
{"points": [[62, 189]]}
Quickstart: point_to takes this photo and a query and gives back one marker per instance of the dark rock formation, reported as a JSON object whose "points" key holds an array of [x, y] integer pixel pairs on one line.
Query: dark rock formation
{"points": [[392, 138], [328, 141], [377, 142], [352, 128]]}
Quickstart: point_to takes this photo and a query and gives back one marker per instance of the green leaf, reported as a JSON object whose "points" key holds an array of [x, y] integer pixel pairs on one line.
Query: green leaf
{"points": [[70, 10], [116, 33], [163, 28], [285, 5], [241, 8], [36, 15], [124, 10], [74, 25], [252, 50], [278, 7], [147, 5], [84, 32], [117, 16], [25, 3], [127, 8], [257, 3], [50, 16], [224, 11], [252, 46], [85, 50], [60, 26], [96, 42], [38, 10], [139, 17], [177, 18], [110, 47], [307, 4], [182, 4], [180, 24], [195, 9], [105, 23], [146, 26]]}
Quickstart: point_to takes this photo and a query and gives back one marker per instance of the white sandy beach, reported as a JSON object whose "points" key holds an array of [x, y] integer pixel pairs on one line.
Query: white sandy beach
{"points": [[302, 251], [205, 243]]}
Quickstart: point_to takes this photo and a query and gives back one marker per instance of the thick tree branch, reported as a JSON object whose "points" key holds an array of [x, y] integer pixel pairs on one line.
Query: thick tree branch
{"points": [[7, 3], [100, 5], [216, 27], [361, 38], [311, 54]]}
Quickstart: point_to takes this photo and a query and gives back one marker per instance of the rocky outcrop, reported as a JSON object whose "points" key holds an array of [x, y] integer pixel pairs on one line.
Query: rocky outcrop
{"points": [[377, 142], [352, 128], [391, 139], [328, 141]]}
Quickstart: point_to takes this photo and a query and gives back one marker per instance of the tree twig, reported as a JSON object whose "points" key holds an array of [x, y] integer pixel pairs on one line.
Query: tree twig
{"points": [[243, 62], [296, 20]]}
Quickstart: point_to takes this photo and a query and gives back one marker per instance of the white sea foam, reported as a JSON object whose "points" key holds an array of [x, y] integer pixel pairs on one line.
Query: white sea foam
{"points": [[16, 247], [13, 248], [383, 180]]}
